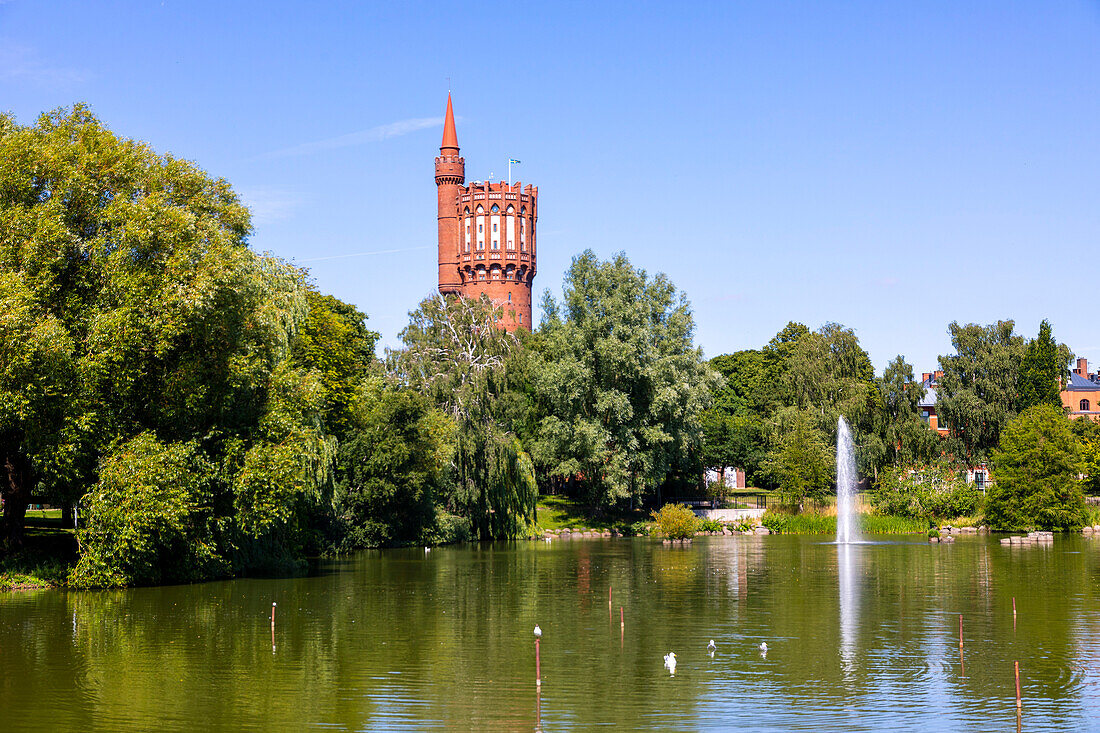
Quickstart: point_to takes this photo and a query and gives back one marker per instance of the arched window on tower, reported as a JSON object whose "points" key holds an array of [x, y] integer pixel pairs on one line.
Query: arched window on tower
{"points": [[1084, 405], [480, 228], [511, 239], [469, 223], [523, 229], [495, 209], [481, 274]]}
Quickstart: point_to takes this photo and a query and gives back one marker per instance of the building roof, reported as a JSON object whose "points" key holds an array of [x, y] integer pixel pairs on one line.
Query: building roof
{"points": [[929, 399], [450, 137], [1077, 383]]}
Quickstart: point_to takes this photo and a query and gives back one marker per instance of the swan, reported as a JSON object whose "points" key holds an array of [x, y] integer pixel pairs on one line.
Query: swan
{"points": [[670, 662]]}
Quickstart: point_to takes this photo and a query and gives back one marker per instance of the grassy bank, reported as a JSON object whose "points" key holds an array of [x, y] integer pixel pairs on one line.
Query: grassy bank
{"points": [[44, 561], [558, 513], [825, 523]]}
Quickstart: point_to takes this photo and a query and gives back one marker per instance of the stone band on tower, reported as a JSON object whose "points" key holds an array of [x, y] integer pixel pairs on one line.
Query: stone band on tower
{"points": [[486, 234]]}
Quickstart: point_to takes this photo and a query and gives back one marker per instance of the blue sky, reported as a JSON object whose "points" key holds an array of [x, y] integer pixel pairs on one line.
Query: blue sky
{"points": [[888, 166]]}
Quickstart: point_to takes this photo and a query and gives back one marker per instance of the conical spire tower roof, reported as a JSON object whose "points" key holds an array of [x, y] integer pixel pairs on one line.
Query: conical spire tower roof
{"points": [[450, 137]]}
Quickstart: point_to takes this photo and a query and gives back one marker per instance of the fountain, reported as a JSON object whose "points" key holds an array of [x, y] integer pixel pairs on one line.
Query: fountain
{"points": [[847, 520]]}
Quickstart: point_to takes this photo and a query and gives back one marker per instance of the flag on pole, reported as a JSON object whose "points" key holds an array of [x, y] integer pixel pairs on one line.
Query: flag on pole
{"points": [[513, 160]]}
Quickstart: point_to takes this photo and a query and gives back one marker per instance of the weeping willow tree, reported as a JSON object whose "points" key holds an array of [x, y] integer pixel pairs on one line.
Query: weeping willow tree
{"points": [[455, 353], [145, 361]]}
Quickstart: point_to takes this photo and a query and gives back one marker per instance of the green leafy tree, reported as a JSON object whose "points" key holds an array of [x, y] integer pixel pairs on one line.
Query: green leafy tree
{"points": [[1035, 474], [744, 388], [1087, 433], [739, 441], [133, 307], [334, 341], [456, 355], [906, 438], [391, 470], [622, 386], [977, 395], [801, 462], [1042, 371], [151, 518]]}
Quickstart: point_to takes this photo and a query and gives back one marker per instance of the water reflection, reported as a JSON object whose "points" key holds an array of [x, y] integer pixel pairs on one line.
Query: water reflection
{"points": [[861, 637], [848, 570]]}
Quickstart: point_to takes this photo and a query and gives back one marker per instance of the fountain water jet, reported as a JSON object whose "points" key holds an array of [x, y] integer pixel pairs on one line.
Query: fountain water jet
{"points": [[847, 521]]}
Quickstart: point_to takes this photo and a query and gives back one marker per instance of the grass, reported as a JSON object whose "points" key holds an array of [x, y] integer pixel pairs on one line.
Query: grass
{"points": [[824, 522], [558, 512], [44, 561]]}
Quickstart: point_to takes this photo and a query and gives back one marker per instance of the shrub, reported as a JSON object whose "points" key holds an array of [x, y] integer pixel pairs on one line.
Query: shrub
{"points": [[930, 492], [742, 525], [675, 521], [710, 525], [149, 519], [638, 529]]}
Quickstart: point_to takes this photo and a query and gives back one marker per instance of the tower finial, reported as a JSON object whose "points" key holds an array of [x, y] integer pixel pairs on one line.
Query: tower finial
{"points": [[450, 137]]}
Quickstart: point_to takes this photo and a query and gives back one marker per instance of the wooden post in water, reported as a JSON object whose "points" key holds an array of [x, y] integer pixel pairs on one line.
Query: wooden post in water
{"points": [[1013, 613], [273, 627], [609, 616], [622, 621], [1019, 704], [538, 666], [960, 631]]}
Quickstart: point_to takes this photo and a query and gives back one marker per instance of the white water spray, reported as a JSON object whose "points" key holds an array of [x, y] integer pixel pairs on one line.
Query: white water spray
{"points": [[847, 527]]}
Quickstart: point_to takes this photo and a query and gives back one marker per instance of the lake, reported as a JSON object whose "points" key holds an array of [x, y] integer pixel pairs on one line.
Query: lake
{"points": [[862, 637]]}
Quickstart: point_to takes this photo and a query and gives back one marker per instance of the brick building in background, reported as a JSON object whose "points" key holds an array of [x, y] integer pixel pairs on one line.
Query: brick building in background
{"points": [[1081, 397], [486, 234], [927, 405]]}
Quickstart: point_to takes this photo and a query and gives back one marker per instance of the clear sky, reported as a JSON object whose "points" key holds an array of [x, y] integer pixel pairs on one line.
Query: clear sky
{"points": [[889, 166]]}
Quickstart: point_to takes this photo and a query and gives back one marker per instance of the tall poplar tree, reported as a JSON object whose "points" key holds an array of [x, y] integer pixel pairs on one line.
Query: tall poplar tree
{"points": [[1041, 369]]}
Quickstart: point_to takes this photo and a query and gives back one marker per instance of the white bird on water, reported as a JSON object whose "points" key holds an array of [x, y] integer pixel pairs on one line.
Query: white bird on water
{"points": [[670, 662], [763, 648], [711, 647]]}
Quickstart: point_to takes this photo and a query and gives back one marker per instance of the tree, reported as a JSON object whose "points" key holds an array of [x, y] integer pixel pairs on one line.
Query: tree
{"points": [[1087, 433], [151, 518], [906, 438], [801, 462], [139, 327], [1035, 470], [456, 355], [335, 341], [622, 386], [1042, 371], [391, 469], [977, 395]]}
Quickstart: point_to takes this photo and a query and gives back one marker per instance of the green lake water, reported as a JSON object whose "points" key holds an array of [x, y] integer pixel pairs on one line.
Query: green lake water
{"points": [[861, 637]]}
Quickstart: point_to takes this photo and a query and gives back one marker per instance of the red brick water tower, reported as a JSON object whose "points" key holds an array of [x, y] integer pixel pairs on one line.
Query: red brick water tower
{"points": [[486, 234]]}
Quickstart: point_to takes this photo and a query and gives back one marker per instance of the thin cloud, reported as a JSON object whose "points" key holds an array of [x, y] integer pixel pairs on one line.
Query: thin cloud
{"points": [[22, 63], [269, 204], [372, 135]]}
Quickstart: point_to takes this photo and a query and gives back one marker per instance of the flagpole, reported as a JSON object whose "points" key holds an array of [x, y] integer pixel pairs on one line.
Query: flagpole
{"points": [[509, 172]]}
